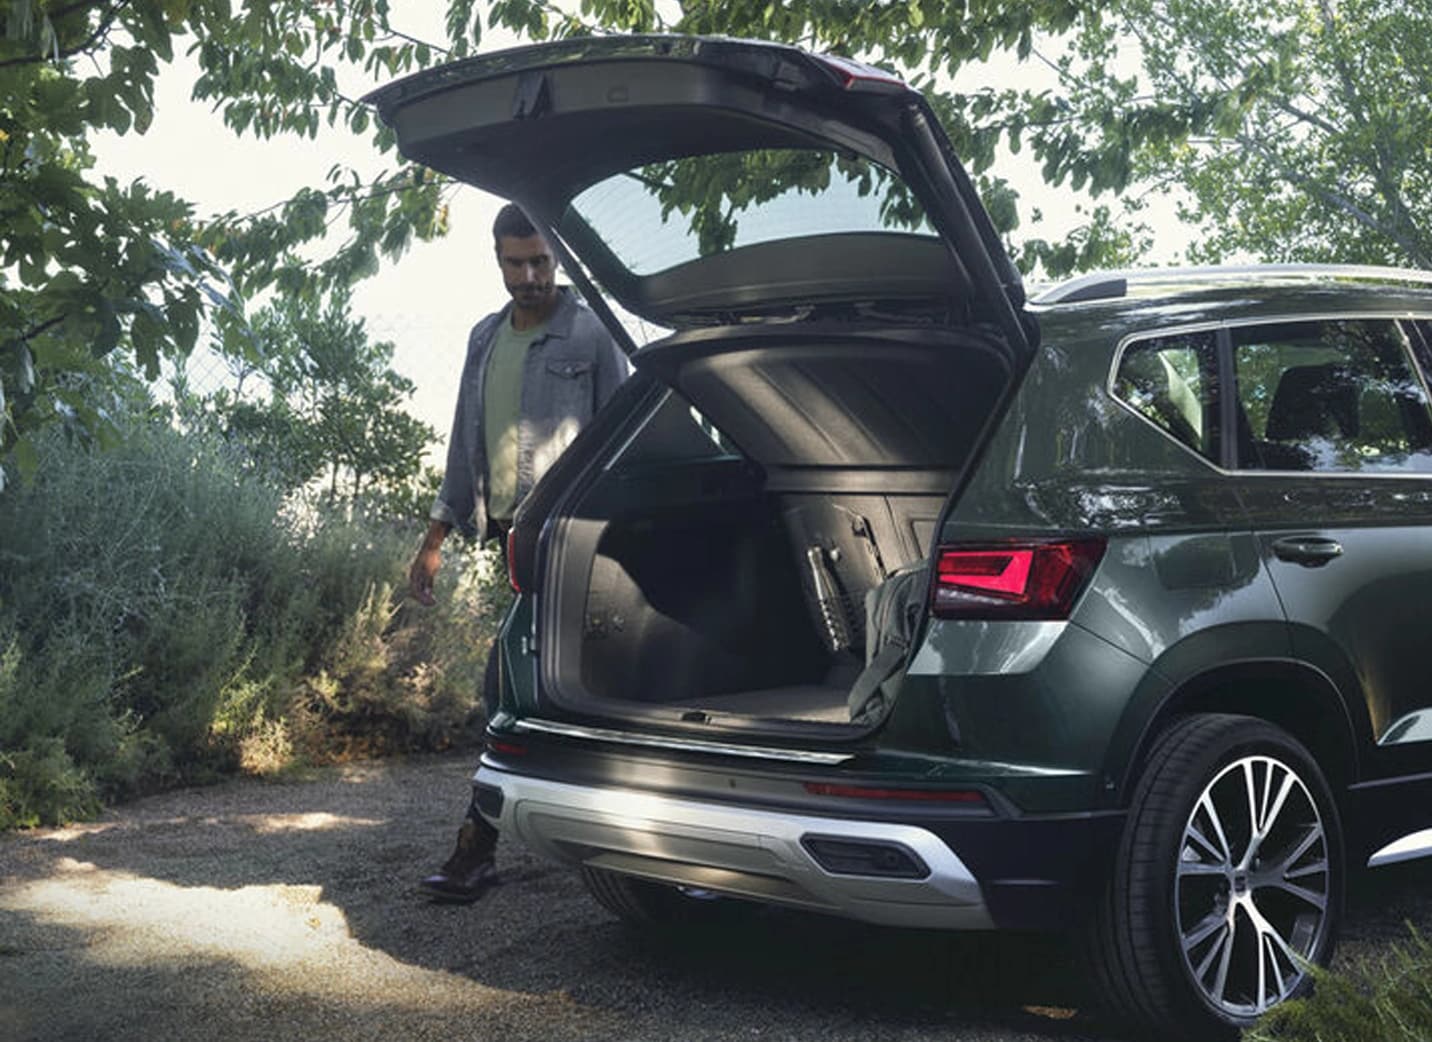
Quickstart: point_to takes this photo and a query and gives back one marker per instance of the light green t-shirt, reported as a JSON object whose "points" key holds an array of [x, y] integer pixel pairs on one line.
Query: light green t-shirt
{"points": [[501, 407]]}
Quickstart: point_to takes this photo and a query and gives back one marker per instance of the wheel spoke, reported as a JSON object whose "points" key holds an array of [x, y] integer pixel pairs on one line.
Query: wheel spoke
{"points": [[1312, 834], [1201, 868], [1312, 897], [1220, 984], [1268, 952], [1222, 850], [1268, 930], [1272, 816], [1215, 949], [1250, 785], [1263, 802], [1195, 834], [1203, 929], [1314, 868], [1259, 1002]]}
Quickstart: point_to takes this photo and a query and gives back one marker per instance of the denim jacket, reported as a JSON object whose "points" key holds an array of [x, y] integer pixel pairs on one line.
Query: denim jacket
{"points": [[569, 371]]}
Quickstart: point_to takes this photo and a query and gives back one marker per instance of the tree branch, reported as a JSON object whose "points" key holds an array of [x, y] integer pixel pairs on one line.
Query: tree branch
{"points": [[35, 331], [105, 23], [339, 200], [398, 34], [1339, 201], [1381, 175]]}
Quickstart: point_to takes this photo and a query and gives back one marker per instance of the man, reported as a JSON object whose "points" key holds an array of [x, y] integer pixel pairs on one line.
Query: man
{"points": [[536, 371]]}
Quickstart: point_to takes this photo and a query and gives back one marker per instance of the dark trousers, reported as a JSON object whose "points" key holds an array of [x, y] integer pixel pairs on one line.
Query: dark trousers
{"points": [[484, 835]]}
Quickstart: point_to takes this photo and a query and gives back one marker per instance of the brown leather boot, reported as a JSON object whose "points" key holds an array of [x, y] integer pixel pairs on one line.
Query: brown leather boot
{"points": [[470, 872]]}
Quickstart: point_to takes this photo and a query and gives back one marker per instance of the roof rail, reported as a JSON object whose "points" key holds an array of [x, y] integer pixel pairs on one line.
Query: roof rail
{"points": [[1111, 285]]}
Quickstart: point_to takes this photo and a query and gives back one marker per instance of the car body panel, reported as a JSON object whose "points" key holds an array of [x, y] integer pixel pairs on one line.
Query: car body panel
{"points": [[1373, 599]]}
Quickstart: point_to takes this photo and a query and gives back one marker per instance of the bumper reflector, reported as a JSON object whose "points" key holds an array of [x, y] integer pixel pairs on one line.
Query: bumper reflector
{"points": [[844, 856], [505, 748], [868, 792]]}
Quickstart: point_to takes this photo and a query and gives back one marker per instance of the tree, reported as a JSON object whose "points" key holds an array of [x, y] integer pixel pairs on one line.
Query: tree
{"points": [[91, 270], [330, 409], [1297, 130], [1301, 130]]}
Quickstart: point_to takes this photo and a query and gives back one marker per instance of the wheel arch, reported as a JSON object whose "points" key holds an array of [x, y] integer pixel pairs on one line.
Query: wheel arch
{"points": [[1292, 695]]}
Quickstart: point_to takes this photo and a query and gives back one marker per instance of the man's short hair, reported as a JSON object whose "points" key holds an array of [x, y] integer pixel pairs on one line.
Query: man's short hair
{"points": [[512, 223]]}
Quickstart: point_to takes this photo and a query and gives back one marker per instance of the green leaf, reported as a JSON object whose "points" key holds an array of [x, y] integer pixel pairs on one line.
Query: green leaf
{"points": [[26, 457], [109, 331]]}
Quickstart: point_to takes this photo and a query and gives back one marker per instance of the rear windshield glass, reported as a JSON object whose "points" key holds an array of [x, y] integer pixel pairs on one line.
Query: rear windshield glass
{"points": [[658, 216]]}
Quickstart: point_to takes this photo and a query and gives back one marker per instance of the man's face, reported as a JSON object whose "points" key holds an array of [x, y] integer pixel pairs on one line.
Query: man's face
{"points": [[528, 270]]}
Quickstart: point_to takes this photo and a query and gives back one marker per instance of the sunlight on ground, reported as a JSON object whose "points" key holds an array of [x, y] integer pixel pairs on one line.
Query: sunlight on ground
{"points": [[263, 824], [284, 935], [319, 821], [138, 919], [70, 833]]}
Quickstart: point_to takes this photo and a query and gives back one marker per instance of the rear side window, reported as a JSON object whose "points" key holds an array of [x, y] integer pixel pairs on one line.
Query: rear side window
{"points": [[1331, 397], [1172, 382]]}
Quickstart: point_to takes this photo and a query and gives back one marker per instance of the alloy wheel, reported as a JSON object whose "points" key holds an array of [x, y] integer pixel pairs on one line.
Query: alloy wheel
{"points": [[1252, 886]]}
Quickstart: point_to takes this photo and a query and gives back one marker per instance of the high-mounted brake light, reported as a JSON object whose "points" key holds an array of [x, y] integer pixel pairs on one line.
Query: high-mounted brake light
{"points": [[512, 559], [1013, 581], [857, 76]]}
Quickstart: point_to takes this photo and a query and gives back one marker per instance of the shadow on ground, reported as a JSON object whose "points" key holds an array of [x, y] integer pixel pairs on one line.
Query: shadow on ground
{"points": [[250, 906]]}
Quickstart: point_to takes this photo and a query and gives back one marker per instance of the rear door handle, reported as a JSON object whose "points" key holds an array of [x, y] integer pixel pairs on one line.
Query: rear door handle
{"points": [[1310, 551]]}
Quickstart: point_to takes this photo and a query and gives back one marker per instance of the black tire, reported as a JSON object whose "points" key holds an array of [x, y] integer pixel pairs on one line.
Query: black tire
{"points": [[1194, 933], [647, 905]]}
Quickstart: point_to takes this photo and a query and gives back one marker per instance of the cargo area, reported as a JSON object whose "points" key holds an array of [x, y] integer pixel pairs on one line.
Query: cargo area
{"points": [[716, 565]]}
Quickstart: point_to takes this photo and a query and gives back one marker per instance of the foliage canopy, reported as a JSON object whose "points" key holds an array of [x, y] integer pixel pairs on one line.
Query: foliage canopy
{"points": [[1294, 130]]}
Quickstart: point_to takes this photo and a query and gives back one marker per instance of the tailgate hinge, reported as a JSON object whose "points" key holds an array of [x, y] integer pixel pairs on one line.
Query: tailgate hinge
{"points": [[533, 97]]}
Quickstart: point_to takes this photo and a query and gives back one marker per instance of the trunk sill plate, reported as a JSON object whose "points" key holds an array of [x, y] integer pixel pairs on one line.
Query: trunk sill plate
{"points": [[694, 745]]}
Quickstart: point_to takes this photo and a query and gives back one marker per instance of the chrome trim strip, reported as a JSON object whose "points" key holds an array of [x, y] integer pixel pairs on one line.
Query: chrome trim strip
{"points": [[689, 745], [1408, 848], [731, 848]]}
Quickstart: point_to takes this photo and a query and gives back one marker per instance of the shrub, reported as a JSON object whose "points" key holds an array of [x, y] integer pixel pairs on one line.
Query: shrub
{"points": [[166, 615], [1385, 997]]}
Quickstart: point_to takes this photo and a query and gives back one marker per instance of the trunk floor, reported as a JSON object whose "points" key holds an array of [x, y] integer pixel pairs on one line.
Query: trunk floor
{"points": [[808, 702]]}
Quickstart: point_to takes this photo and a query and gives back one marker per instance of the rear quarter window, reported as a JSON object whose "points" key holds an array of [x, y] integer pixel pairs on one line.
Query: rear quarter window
{"points": [[1172, 382]]}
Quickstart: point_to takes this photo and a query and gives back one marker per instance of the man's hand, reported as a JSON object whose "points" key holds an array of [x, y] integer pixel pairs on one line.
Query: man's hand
{"points": [[420, 576], [425, 564]]}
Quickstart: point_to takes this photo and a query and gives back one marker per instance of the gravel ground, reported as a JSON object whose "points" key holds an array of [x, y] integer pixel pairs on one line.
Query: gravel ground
{"points": [[275, 910]]}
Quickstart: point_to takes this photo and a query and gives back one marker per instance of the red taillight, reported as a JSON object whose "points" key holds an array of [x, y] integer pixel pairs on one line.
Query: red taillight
{"points": [[865, 792], [512, 559], [1013, 581]]}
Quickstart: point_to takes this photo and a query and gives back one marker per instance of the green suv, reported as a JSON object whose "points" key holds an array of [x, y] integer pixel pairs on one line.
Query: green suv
{"points": [[1162, 542]]}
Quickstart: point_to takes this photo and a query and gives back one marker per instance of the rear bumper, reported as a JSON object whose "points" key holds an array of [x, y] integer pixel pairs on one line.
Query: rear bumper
{"points": [[732, 849], [981, 874]]}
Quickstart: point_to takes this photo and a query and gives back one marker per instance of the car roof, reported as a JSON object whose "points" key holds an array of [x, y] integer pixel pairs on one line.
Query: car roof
{"points": [[1166, 297]]}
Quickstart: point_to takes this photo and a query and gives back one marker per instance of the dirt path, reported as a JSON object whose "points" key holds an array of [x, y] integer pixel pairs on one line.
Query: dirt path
{"points": [[278, 910]]}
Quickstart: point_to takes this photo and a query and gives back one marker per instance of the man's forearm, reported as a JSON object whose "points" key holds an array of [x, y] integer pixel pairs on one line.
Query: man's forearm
{"points": [[437, 532]]}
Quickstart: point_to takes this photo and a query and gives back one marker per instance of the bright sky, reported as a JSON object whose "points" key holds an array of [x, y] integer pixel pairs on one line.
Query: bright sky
{"points": [[426, 302]]}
